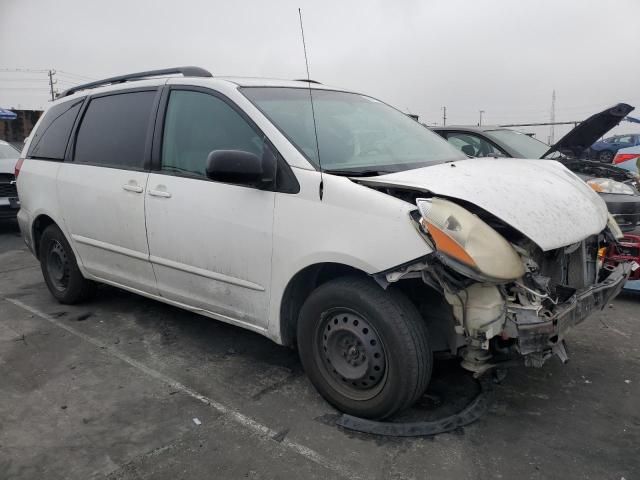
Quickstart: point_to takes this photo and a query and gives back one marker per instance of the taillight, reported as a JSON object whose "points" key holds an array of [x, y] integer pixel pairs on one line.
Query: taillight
{"points": [[623, 157], [18, 167]]}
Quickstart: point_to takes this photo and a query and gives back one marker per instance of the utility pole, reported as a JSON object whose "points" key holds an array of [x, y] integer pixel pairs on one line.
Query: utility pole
{"points": [[552, 118], [52, 82], [444, 115], [480, 121]]}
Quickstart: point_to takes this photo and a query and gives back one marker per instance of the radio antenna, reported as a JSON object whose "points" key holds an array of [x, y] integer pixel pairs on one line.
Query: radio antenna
{"points": [[313, 113]]}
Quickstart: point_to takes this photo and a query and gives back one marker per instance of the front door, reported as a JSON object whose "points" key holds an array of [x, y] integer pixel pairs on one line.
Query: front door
{"points": [[210, 243], [101, 191]]}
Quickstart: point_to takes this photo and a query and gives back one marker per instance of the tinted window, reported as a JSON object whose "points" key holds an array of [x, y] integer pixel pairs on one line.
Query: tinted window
{"points": [[114, 130], [51, 137], [196, 124]]}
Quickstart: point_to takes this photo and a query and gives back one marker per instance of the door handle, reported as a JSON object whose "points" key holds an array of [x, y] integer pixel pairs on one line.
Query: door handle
{"points": [[132, 188], [159, 193]]}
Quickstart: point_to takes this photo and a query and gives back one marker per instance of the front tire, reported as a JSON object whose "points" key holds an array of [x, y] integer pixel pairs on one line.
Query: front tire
{"points": [[60, 269], [365, 349]]}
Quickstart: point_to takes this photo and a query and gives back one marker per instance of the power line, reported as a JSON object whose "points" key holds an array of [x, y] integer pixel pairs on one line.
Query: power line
{"points": [[77, 75]]}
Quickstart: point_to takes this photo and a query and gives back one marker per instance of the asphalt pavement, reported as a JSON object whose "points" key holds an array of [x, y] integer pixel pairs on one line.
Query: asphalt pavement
{"points": [[123, 387]]}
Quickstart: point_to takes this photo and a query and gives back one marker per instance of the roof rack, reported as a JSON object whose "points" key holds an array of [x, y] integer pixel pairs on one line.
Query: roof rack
{"points": [[185, 71], [308, 80]]}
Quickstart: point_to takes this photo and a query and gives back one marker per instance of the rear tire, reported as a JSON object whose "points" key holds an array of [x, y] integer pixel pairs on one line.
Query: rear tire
{"points": [[60, 269], [365, 349]]}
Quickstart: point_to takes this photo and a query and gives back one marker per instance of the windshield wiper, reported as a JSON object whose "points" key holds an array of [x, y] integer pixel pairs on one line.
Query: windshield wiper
{"points": [[357, 173]]}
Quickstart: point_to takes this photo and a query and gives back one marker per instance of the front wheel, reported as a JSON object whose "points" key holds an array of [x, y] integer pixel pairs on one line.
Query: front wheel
{"points": [[60, 269], [365, 349]]}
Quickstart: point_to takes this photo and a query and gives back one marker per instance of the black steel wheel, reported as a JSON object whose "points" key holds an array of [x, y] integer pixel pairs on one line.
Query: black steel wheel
{"points": [[365, 349], [57, 265], [355, 358], [60, 269]]}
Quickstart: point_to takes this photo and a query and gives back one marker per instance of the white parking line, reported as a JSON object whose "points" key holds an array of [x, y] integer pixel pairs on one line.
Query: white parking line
{"points": [[262, 430]]}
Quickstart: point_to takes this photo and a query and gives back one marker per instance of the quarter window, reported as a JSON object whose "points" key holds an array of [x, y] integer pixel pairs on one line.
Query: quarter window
{"points": [[114, 129], [50, 139], [197, 123]]}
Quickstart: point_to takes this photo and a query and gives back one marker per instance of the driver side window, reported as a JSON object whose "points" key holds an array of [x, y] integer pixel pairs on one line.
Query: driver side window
{"points": [[197, 123], [472, 145]]}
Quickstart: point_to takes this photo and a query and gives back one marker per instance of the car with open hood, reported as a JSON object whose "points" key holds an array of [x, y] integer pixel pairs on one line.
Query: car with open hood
{"points": [[605, 150], [617, 187], [9, 203], [323, 219]]}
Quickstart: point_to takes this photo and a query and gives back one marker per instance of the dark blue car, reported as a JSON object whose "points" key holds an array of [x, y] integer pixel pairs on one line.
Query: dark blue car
{"points": [[606, 149]]}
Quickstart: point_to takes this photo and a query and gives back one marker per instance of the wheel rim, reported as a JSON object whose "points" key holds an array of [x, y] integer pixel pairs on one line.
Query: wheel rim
{"points": [[58, 266], [353, 355]]}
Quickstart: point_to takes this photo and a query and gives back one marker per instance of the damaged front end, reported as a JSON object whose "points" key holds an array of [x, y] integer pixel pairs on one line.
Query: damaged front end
{"points": [[509, 298]]}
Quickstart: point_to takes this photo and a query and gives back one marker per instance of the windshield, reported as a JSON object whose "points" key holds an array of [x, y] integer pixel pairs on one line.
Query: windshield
{"points": [[526, 146], [7, 151], [356, 133]]}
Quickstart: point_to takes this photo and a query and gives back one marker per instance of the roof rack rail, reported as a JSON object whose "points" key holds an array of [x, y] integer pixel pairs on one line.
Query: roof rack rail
{"points": [[308, 80], [185, 71]]}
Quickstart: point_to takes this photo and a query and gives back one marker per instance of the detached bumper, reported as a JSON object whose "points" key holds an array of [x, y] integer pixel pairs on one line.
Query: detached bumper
{"points": [[539, 332]]}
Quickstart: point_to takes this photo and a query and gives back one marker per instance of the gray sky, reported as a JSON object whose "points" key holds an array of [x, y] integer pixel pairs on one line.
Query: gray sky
{"points": [[504, 57]]}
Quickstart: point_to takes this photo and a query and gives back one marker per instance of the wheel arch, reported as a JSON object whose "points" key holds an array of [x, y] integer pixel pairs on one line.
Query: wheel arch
{"points": [[300, 287], [38, 226]]}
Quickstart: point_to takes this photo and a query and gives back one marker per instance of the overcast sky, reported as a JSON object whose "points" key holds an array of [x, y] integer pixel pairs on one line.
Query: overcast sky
{"points": [[503, 57]]}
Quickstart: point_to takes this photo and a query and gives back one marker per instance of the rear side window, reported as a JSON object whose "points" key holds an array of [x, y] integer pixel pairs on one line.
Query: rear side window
{"points": [[114, 130], [50, 139]]}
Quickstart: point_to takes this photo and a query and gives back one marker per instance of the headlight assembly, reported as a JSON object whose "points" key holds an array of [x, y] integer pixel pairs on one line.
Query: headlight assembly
{"points": [[606, 185], [467, 240]]}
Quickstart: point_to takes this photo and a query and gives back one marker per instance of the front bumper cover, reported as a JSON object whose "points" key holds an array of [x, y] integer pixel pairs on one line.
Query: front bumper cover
{"points": [[539, 332]]}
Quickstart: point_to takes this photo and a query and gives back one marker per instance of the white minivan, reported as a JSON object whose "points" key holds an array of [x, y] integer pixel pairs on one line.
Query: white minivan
{"points": [[324, 219]]}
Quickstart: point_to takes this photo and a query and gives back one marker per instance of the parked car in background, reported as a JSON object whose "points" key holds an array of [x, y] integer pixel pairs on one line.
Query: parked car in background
{"points": [[628, 158], [341, 227], [9, 203], [617, 186], [606, 149]]}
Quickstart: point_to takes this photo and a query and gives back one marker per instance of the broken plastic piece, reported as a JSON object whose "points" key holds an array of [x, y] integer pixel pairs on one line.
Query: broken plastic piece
{"points": [[472, 412]]}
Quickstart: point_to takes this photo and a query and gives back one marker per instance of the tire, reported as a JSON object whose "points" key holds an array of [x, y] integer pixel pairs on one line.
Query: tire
{"points": [[60, 269], [605, 156], [365, 349]]}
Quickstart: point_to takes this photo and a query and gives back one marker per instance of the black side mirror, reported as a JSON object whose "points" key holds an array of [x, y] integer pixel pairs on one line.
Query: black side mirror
{"points": [[242, 168]]}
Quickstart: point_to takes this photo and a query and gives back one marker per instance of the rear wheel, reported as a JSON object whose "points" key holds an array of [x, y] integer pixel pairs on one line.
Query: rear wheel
{"points": [[365, 349], [605, 156], [60, 269]]}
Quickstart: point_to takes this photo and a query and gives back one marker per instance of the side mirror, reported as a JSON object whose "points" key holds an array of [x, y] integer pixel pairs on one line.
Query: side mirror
{"points": [[242, 168]]}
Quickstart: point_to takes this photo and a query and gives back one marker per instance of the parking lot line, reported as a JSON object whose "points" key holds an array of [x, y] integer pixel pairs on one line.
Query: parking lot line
{"points": [[263, 431]]}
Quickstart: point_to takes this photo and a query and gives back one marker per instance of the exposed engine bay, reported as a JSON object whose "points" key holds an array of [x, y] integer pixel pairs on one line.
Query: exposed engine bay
{"points": [[498, 321]]}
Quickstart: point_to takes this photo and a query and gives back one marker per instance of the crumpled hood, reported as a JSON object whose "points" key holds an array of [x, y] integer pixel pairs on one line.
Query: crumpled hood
{"points": [[540, 198], [7, 165]]}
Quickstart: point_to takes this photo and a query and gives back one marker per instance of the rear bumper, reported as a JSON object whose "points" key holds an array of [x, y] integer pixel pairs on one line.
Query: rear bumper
{"points": [[538, 333], [9, 207], [624, 208]]}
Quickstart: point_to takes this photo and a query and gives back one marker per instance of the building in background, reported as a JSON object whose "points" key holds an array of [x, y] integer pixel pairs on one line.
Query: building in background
{"points": [[16, 130]]}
